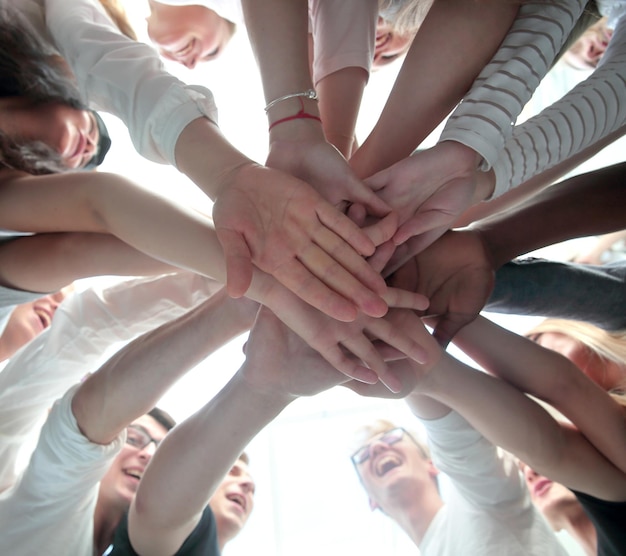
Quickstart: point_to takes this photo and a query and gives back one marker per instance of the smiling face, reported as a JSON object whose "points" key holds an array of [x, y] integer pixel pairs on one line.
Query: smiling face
{"points": [[233, 501], [188, 34], [70, 132], [119, 485], [28, 320], [394, 466]]}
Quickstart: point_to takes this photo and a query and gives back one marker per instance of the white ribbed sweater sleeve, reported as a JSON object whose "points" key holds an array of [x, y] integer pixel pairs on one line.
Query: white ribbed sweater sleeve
{"points": [[589, 112], [484, 119]]}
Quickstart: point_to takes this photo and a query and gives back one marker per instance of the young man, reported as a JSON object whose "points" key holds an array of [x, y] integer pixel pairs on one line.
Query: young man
{"points": [[489, 511], [222, 519], [171, 500], [100, 431]]}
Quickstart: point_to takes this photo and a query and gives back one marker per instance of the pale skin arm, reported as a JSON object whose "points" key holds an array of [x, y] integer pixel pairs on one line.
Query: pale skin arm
{"points": [[259, 207], [48, 262], [553, 378], [340, 96], [441, 65], [279, 36], [160, 517], [174, 233], [134, 379], [178, 234]]}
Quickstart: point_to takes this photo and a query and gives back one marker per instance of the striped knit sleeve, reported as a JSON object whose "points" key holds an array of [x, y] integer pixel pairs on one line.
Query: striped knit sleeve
{"points": [[484, 119], [589, 112]]}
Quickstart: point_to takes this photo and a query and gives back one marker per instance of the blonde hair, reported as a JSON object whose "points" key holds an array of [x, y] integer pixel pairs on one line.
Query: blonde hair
{"points": [[405, 16], [608, 346]]}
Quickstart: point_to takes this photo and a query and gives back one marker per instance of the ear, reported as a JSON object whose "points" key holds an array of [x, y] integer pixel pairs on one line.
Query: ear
{"points": [[373, 505], [432, 470]]}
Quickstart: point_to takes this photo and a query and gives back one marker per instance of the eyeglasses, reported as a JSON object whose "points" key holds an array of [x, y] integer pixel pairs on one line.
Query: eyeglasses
{"points": [[138, 437], [390, 438]]}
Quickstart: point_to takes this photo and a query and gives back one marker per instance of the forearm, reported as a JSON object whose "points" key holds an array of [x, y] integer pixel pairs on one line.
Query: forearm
{"points": [[278, 31], [339, 100], [484, 119], [205, 156], [551, 377], [134, 379], [555, 214], [212, 439], [587, 114], [501, 413], [443, 61], [538, 287]]}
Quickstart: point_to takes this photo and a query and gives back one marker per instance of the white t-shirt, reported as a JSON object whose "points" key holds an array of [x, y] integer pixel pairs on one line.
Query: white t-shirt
{"points": [[489, 511], [50, 510]]}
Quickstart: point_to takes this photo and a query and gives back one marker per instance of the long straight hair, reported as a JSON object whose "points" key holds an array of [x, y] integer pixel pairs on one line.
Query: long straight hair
{"points": [[28, 70]]}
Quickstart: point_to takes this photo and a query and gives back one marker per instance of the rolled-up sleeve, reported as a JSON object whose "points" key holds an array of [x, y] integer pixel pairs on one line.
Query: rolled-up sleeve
{"points": [[126, 78]]}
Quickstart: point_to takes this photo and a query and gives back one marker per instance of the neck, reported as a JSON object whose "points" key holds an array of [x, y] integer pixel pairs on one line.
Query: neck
{"points": [[105, 521], [575, 521], [415, 518]]}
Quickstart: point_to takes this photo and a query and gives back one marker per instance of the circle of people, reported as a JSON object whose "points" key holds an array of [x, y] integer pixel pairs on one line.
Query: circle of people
{"points": [[349, 263]]}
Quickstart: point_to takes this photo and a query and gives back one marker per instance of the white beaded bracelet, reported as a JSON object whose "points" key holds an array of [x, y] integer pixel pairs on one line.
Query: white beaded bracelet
{"points": [[307, 94]]}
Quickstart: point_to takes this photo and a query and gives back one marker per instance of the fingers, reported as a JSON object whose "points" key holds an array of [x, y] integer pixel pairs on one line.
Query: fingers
{"points": [[297, 277], [238, 261], [343, 271], [404, 299], [383, 230], [422, 223], [381, 257], [341, 225]]}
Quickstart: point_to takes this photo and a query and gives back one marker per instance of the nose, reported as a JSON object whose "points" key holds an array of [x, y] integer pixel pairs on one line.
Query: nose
{"points": [[530, 474], [247, 486], [191, 62], [377, 446]]}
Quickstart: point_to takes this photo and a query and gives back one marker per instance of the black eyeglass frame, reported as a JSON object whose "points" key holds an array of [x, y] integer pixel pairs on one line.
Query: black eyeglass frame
{"points": [[138, 429]]}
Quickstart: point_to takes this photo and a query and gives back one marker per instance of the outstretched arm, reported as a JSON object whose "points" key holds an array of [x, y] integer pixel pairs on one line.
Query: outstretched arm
{"points": [[298, 145], [440, 67], [511, 420], [161, 517], [134, 379], [262, 216], [457, 271], [552, 378]]}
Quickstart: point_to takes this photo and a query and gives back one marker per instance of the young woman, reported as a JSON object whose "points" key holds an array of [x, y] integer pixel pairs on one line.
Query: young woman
{"points": [[97, 204]]}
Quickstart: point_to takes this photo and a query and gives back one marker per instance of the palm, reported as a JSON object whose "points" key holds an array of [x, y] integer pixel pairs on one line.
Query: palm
{"points": [[288, 230], [457, 277]]}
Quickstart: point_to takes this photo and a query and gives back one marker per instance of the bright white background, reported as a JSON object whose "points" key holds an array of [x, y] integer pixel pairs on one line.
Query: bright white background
{"points": [[308, 501]]}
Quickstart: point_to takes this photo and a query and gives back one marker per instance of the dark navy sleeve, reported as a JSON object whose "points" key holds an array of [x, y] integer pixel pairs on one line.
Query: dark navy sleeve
{"points": [[202, 541], [537, 287]]}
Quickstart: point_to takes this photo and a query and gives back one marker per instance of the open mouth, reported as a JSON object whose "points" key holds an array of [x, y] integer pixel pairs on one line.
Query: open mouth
{"points": [[134, 473], [386, 463], [237, 499]]}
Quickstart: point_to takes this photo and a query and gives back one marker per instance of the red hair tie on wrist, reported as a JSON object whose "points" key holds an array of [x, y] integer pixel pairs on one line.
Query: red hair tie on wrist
{"points": [[300, 115]]}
